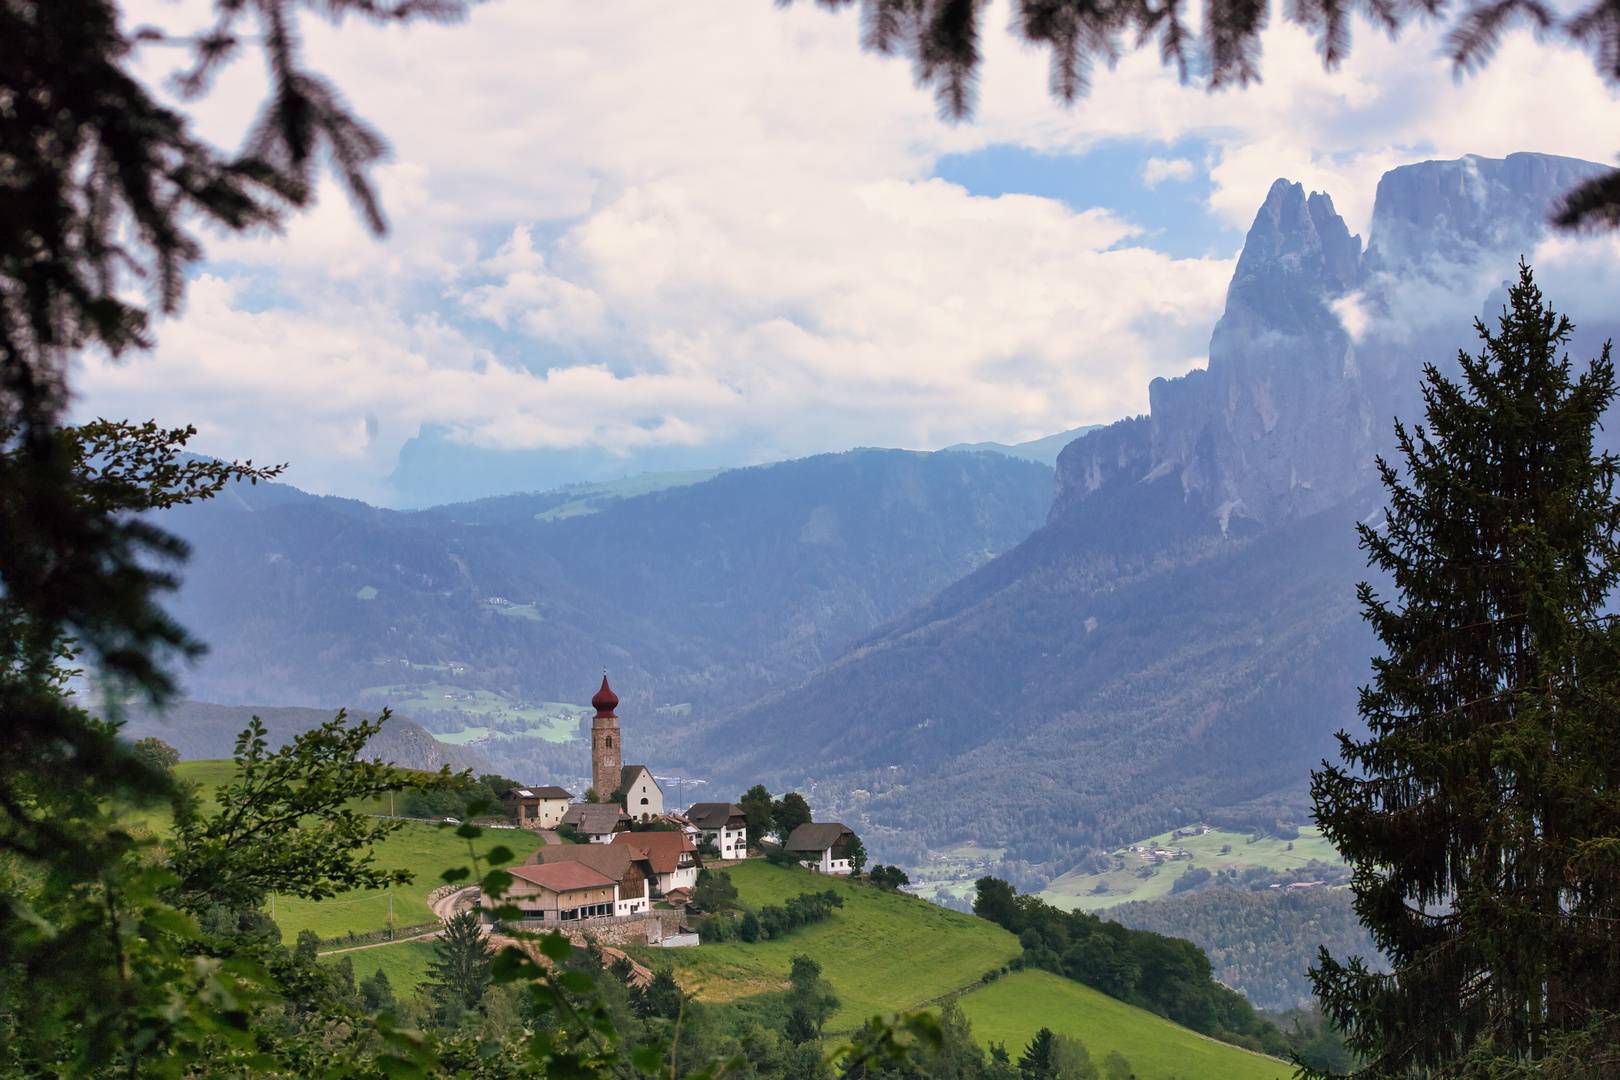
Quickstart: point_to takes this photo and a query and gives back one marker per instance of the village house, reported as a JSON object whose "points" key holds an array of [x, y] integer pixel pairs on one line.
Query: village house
{"points": [[643, 798], [723, 825], [672, 856], [562, 891], [626, 866], [597, 822], [822, 846], [537, 808]]}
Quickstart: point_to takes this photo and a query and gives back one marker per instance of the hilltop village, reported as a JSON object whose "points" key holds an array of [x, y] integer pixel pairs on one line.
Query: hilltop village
{"points": [[619, 864]]}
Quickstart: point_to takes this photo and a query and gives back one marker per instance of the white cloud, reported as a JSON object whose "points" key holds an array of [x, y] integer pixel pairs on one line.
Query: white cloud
{"points": [[1158, 170], [638, 223]]}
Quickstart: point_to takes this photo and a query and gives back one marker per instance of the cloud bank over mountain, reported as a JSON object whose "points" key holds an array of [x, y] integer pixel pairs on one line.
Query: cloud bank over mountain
{"points": [[669, 236]]}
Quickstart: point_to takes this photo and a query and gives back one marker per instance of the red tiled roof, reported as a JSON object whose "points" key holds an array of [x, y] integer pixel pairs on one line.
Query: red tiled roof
{"points": [[562, 876], [663, 849]]}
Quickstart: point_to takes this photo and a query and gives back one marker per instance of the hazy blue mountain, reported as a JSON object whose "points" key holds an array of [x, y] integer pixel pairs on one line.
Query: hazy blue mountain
{"points": [[1044, 449], [700, 594], [1182, 634]]}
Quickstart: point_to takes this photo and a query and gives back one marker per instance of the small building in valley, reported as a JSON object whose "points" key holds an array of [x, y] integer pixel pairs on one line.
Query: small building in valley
{"points": [[537, 808], [723, 825], [822, 846], [672, 856], [627, 866], [562, 891]]}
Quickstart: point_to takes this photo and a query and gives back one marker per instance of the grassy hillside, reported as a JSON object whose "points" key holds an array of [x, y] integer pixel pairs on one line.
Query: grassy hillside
{"points": [[425, 850], [1136, 875], [1014, 1008], [405, 963], [881, 951]]}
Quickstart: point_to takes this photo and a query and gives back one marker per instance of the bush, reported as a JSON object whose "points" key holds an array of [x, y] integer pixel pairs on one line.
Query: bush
{"points": [[888, 878], [798, 911], [748, 928], [777, 855], [714, 891], [156, 753]]}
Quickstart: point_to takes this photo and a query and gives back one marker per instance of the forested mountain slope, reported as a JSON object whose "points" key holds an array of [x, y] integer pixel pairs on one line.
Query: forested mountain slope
{"points": [[703, 593]]}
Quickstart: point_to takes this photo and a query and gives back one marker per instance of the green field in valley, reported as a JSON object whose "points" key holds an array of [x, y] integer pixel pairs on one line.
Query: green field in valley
{"points": [[554, 721], [881, 951], [1013, 1008], [1139, 875], [425, 850]]}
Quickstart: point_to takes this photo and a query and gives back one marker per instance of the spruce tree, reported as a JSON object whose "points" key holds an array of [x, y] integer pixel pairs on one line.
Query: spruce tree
{"points": [[460, 968], [1480, 811]]}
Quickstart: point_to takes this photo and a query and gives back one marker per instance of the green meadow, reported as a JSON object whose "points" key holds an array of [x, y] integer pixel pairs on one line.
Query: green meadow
{"points": [[881, 951], [425, 850], [1136, 878], [1013, 1008]]}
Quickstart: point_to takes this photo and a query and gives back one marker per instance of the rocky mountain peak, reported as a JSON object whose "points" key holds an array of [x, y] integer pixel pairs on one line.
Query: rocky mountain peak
{"points": [[1286, 419]]}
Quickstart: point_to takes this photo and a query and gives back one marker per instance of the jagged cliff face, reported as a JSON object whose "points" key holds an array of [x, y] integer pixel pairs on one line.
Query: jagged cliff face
{"points": [[1276, 427], [1321, 345]]}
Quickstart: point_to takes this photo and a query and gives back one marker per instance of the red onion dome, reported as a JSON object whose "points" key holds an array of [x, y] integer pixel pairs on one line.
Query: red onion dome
{"points": [[605, 700]]}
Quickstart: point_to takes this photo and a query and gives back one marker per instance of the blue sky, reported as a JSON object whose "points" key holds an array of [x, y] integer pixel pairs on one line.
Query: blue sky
{"points": [[1169, 202]]}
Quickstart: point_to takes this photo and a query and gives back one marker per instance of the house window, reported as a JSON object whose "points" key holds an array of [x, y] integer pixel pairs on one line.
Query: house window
{"points": [[610, 740], [643, 802]]}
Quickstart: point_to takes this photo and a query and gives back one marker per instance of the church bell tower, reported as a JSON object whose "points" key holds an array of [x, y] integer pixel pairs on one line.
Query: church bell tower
{"points": [[605, 745]]}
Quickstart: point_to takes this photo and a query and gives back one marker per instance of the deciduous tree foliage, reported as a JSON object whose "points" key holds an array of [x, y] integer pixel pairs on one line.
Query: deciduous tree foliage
{"points": [[1481, 810], [941, 37]]}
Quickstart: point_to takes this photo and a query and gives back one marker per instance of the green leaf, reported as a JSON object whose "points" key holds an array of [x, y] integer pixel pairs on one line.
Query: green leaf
{"points": [[556, 947], [648, 1059], [459, 873], [469, 832], [499, 854]]}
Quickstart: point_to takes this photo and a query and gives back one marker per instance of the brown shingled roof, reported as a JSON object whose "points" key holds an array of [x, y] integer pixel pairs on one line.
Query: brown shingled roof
{"points": [[712, 815], [611, 859], [595, 818], [562, 876], [552, 792], [817, 836], [663, 849]]}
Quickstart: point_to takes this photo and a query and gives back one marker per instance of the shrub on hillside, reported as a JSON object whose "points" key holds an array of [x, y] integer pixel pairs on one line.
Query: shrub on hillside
{"points": [[797, 911]]}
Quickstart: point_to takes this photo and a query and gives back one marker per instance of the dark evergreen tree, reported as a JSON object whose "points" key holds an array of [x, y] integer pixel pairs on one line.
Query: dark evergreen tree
{"points": [[1479, 812], [661, 997], [377, 993], [460, 969], [810, 998], [1039, 1060]]}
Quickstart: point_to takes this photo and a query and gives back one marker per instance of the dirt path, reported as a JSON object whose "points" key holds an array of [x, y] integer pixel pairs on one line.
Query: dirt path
{"points": [[445, 908], [380, 944]]}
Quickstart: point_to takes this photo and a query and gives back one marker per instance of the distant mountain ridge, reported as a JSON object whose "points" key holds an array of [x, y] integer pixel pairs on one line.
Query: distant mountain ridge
{"points": [[703, 593]]}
